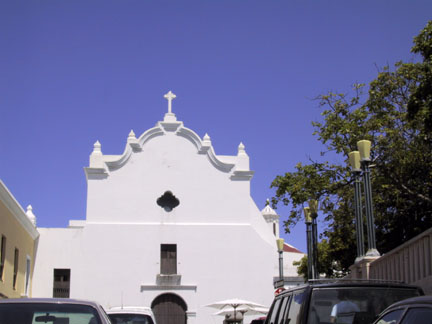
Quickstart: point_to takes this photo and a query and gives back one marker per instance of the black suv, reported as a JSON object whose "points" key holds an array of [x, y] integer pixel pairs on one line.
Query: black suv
{"points": [[342, 301]]}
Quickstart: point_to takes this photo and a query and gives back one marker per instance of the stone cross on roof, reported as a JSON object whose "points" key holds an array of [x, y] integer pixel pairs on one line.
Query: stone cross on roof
{"points": [[169, 96]]}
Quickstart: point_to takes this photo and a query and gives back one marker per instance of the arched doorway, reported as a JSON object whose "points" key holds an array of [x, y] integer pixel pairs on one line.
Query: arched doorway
{"points": [[169, 309]]}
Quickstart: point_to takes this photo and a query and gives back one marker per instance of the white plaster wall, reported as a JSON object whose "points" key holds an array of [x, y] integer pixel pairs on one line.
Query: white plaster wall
{"points": [[289, 258], [57, 248], [220, 260]]}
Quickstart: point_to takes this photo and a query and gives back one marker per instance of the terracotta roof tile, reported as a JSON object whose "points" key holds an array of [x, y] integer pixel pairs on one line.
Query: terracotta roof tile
{"points": [[290, 248]]}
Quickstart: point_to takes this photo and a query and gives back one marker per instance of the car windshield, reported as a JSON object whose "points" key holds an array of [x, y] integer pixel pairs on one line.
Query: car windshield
{"points": [[38, 313], [350, 305], [130, 319]]}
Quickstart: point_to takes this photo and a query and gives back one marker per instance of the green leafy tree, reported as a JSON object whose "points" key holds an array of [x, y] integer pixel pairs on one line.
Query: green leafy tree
{"points": [[420, 102], [401, 153], [326, 265]]}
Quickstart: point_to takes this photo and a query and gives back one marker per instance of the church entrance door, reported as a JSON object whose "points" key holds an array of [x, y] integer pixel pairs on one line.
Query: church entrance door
{"points": [[169, 309]]}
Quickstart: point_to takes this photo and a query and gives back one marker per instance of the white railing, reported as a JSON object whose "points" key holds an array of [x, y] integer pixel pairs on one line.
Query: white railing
{"points": [[411, 262]]}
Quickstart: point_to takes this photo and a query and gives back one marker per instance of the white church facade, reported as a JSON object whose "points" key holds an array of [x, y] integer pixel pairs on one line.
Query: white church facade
{"points": [[168, 222]]}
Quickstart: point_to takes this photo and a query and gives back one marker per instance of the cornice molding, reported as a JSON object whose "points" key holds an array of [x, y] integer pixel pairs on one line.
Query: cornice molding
{"points": [[17, 211], [168, 287], [271, 218], [242, 175]]}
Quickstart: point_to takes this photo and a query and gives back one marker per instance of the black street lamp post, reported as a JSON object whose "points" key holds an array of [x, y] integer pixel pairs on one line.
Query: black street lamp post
{"points": [[313, 205], [308, 221], [280, 246], [364, 149], [354, 158]]}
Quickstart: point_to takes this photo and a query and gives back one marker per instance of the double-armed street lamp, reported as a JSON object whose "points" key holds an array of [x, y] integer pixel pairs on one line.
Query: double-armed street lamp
{"points": [[363, 152]]}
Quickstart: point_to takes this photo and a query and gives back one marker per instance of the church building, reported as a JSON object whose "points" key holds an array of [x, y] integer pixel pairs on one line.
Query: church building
{"points": [[169, 225]]}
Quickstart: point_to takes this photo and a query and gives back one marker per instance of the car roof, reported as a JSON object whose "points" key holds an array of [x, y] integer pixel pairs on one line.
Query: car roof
{"points": [[130, 309], [48, 301], [421, 300], [349, 283]]}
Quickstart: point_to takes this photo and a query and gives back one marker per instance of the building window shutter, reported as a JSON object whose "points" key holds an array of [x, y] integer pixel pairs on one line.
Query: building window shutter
{"points": [[2, 256], [168, 259], [15, 272], [27, 276]]}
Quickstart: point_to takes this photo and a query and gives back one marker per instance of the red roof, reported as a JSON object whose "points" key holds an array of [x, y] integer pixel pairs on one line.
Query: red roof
{"points": [[292, 249]]}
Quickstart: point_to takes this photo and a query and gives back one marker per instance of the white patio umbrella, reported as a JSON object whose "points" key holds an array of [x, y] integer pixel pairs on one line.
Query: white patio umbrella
{"points": [[243, 309], [235, 304]]}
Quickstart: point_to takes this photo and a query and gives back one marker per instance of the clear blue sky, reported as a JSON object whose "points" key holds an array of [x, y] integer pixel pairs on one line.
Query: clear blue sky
{"points": [[73, 72]]}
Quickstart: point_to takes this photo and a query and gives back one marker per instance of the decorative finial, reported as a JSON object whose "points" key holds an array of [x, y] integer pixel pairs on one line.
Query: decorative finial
{"points": [[267, 202], [241, 148], [170, 96], [132, 141], [30, 215], [206, 144], [131, 135], [97, 147], [96, 157]]}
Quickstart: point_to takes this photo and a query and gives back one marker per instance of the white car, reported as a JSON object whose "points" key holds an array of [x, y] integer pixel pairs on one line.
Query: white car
{"points": [[51, 310], [131, 315]]}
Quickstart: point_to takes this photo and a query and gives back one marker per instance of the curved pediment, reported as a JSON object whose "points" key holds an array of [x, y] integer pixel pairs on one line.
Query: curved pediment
{"points": [[100, 163]]}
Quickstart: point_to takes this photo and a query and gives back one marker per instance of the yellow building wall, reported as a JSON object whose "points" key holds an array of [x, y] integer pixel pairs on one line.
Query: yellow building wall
{"points": [[16, 237]]}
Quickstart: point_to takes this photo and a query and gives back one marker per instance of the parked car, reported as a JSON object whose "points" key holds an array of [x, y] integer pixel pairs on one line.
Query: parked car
{"points": [[131, 315], [417, 310], [259, 320], [51, 310], [342, 301]]}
